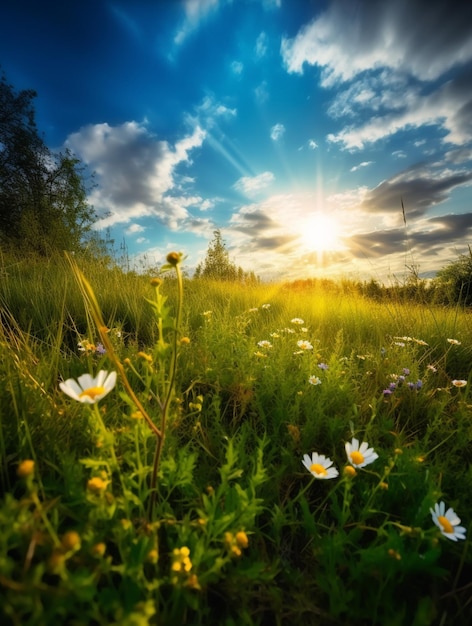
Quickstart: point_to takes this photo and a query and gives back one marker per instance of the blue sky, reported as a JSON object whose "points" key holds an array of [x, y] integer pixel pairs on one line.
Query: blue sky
{"points": [[294, 126]]}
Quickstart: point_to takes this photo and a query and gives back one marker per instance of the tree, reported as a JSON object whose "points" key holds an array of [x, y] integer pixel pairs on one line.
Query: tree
{"points": [[454, 281], [43, 204], [217, 264]]}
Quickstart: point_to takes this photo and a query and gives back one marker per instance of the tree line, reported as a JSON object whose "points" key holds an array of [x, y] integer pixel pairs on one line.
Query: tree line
{"points": [[43, 194]]}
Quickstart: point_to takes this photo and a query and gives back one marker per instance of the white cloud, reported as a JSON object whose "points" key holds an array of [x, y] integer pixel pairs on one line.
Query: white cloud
{"points": [[135, 171], [209, 111], [195, 12], [448, 107], [404, 35], [237, 67], [277, 131], [253, 184], [363, 164], [261, 45], [261, 92], [134, 228], [312, 144]]}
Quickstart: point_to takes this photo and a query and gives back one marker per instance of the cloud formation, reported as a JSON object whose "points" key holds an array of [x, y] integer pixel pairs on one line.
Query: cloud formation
{"points": [[252, 184], [135, 171], [277, 132], [407, 36]]}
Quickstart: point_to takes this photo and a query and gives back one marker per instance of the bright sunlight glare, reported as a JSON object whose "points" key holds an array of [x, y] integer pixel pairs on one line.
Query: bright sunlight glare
{"points": [[320, 233]]}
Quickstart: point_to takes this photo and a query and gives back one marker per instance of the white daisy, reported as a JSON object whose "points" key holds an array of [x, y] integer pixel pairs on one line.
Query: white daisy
{"points": [[447, 522], [88, 389], [320, 466], [360, 456], [304, 345], [459, 383]]}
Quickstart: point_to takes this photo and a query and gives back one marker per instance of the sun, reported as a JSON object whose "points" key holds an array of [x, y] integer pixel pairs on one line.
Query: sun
{"points": [[320, 233]]}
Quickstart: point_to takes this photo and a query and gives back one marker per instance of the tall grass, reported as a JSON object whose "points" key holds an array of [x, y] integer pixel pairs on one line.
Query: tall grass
{"points": [[241, 532]]}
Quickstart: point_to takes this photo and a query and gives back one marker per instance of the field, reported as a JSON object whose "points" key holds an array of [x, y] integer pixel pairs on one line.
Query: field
{"points": [[189, 491]]}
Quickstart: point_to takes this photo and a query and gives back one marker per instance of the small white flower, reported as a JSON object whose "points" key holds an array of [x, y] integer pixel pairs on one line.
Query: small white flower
{"points": [[454, 342], [447, 522], [88, 389], [304, 345], [360, 455], [320, 466], [265, 306], [459, 383], [264, 344], [314, 380], [297, 320]]}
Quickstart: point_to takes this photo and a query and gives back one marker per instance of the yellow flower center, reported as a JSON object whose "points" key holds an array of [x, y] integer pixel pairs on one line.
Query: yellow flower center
{"points": [[357, 457], [318, 469], [92, 392], [446, 524]]}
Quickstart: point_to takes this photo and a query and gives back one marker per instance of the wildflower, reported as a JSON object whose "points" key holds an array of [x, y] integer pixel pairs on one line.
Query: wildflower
{"points": [[71, 540], [304, 345], [152, 556], [174, 258], [264, 344], [304, 329], [400, 344], [184, 341], [420, 342], [265, 306], [88, 389], [274, 335], [290, 331], [459, 383], [100, 349], [156, 282], [260, 355], [349, 471], [360, 455], [454, 342], [181, 560], [297, 320], [314, 380], [145, 356], [432, 368], [323, 366], [236, 543], [25, 468], [406, 371], [192, 582], [387, 392], [253, 310], [99, 549], [320, 466], [294, 432], [242, 539], [97, 485], [447, 522], [207, 313], [394, 554]]}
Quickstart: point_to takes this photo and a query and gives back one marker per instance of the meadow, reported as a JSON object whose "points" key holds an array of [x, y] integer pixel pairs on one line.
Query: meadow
{"points": [[260, 454]]}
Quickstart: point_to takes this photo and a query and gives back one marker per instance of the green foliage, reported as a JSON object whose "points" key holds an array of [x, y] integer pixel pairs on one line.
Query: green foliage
{"points": [[217, 264], [43, 206], [241, 533], [454, 281]]}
